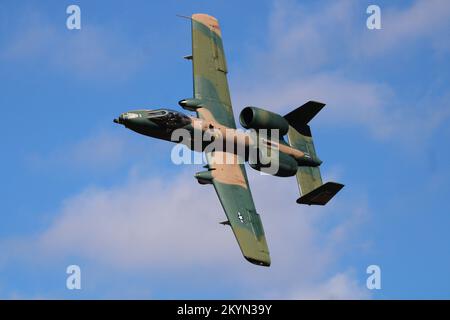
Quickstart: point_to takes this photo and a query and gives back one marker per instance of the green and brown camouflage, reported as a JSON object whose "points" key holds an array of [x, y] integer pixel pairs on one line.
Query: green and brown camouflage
{"points": [[229, 180], [212, 104]]}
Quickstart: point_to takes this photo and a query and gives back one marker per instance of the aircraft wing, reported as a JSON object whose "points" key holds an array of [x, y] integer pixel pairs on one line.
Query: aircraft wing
{"points": [[210, 71], [229, 180], [231, 184]]}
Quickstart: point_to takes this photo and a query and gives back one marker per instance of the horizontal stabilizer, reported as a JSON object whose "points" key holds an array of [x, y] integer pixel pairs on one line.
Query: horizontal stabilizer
{"points": [[321, 195], [300, 117]]}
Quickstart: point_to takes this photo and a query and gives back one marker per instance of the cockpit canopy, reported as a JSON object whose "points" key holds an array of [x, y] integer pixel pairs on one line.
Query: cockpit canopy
{"points": [[168, 118]]}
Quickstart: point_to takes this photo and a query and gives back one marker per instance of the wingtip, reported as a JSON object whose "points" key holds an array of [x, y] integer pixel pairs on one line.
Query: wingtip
{"points": [[265, 262], [209, 21], [203, 17]]}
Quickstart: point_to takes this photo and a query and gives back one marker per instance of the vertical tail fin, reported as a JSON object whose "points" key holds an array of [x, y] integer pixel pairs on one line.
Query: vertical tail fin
{"points": [[309, 179]]}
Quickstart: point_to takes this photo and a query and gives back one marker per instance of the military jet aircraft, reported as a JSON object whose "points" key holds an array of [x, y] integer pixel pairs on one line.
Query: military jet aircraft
{"points": [[212, 104]]}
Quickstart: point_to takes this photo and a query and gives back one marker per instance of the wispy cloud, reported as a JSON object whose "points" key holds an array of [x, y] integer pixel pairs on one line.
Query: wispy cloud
{"points": [[340, 286], [349, 102], [310, 55], [424, 22], [92, 53], [100, 151], [172, 226]]}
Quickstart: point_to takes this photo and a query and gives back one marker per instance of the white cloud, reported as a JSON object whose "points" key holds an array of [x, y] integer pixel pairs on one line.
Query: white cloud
{"points": [[340, 286], [142, 224], [348, 102], [102, 151], [171, 226], [302, 38], [99, 151], [93, 53], [423, 21], [310, 56]]}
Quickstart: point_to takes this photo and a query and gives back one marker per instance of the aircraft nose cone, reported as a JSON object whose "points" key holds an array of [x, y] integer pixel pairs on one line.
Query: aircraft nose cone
{"points": [[119, 120]]}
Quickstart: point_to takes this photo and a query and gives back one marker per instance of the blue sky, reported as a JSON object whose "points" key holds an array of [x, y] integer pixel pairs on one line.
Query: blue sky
{"points": [[80, 190]]}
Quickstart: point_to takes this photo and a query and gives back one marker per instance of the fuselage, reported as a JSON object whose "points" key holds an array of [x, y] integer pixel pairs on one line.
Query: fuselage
{"points": [[205, 135]]}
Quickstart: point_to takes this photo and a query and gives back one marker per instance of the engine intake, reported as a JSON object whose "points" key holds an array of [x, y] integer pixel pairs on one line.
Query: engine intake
{"points": [[257, 118]]}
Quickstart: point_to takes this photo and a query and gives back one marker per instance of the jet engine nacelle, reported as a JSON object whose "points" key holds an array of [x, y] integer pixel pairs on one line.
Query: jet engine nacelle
{"points": [[280, 164], [257, 118]]}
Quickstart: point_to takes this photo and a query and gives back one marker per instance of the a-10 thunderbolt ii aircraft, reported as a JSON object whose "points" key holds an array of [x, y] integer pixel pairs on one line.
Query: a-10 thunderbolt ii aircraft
{"points": [[212, 104]]}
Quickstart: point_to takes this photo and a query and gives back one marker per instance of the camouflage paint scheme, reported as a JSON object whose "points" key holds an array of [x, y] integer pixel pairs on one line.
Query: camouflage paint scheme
{"points": [[212, 103], [229, 180]]}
